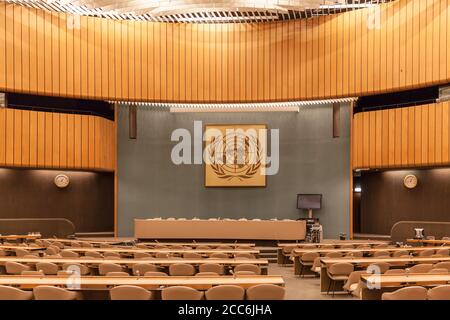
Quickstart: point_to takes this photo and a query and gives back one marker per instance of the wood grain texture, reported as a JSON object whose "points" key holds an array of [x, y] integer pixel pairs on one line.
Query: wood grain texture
{"points": [[406, 137], [322, 57], [56, 140]]}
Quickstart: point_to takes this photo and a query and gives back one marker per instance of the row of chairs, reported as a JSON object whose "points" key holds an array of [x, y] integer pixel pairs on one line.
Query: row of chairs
{"points": [[139, 269], [288, 249], [126, 292], [419, 293]]}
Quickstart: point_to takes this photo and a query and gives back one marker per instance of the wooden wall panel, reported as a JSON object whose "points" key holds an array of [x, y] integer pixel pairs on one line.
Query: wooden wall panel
{"points": [[56, 140], [322, 57], [400, 138]]}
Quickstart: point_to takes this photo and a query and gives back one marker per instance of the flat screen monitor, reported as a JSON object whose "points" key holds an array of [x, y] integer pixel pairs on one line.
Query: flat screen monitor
{"points": [[309, 201]]}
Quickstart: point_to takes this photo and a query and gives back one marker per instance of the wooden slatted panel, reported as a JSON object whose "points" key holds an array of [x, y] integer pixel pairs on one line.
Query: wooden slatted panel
{"points": [[404, 137]]}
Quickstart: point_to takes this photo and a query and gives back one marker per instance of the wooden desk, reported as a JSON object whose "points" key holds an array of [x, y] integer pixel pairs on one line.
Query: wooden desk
{"points": [[432, 242], [179, 251], [12, 248], [263, 263], [100, 282], [22, 237], [69, 241], [196, 244], [375, 285], [301, 251]]}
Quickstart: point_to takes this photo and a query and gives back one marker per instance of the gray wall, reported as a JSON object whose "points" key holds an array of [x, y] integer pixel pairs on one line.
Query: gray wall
{"points": [[311, 161]]}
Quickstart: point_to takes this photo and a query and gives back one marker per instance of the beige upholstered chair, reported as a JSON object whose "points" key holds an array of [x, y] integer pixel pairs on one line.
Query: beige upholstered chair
{"points": [[94, 254], [143, 255], [307, 260], [139, 269], [400, 253], [325, 246], [438, 271], [111, 255], [177, 247], [117, 274], [161, 255], [130, 293], [54, 293], [11, 293], [225, 292], [346, 246], [64, 273], [207, 274], [106, 245], [181, 293], [211, 267], [352, 283], [244, 273], [58, 244], [104, 268], [218, 255], [354, 254], [155, 274], [316, 265], [224, 247], [443, 252], [52, 256], [378, 254], [442, 265], [244, 255], [69, 254], [46, 243], [407, 293], [420, 268], [85, 244], [203, 247], [75, 244], [439, 293], [15, 267], [192, 255], [47, 268], [379, 267], [24, 252], [30, 256], [338, 272], [426, 253], [381, 246], [52, 250], [395, 271], [248, 267], [32, 273], [334, 255], [3, 253], [265, 292], [181, 269], [142, 246], [77, 267]]}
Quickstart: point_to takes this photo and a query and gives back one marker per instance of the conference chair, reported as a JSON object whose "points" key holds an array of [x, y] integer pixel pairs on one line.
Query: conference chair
{"points": [[77, 268], [192, 255], [93, 254], [379, 254], [11, 293], [316, 265], [420, 268], [426, 253], [307, 260], [130, 293], [381, 246], [139, 269], [181, 293], [106, 245], [69, 254], [244, 256], [346, 246], [225, 292], [211, 267], [75, 244], [352, 283], [117, 274], [52, 256], [47, 268], [224, 247], [86, 245], [378, 267], [203, 247], [445, 238], [265, 292], [55, 293], [395, 271], [15, 267], [443, 252], [162, 255], [438, 271], [334, 255], [104, 268], [207, 274], [30, 256], [160, 246], [64, 273], [142, 255], [111, 255], [407, 293], [3, 253], [439, 293], [247, 267], [155, 274], [58, 244], [181, 269], [400, 253], [355, 254], [46, 243], [24, 252], [244, 273], [325, 246], [51, 249], [445, 265], [218, 255], [176, 247], [32, 273], [338, 272]]}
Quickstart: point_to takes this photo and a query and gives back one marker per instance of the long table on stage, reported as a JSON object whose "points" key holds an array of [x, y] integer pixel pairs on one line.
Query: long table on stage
{"points": [[220, 229]]}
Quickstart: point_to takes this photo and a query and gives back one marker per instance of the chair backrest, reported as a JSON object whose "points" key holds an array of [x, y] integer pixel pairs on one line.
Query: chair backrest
{"points": [[244, 255], [32, 273], [265, 292], [58, 244], [420, 268], [69, 254], [106, 245], [130, 293], [111, 255], [400, 253], [139, 269], [161, 255], [181, 293], [203, 247], [11, 293], [104, 268], [334, 254], [142, 255], [355, 254], [379, 267], [207, 274], [244, 273], [192, 255], [248, 267], [181, 269], [381, 254], [155, 274], [395, 271], [225, 292], [443, 252], [21, 252], [309, 256], [426, 253], [93, 254], [224, 247], [75, 244], [340, 269], [219, 255], [211, 267], [442, 265], [346, 246], [439, 293], [117, 274], [47, 268], [52, 250], [15, 267], [77, 268], [87, 244], [53, 293], [438, 271], [407, 293]]}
